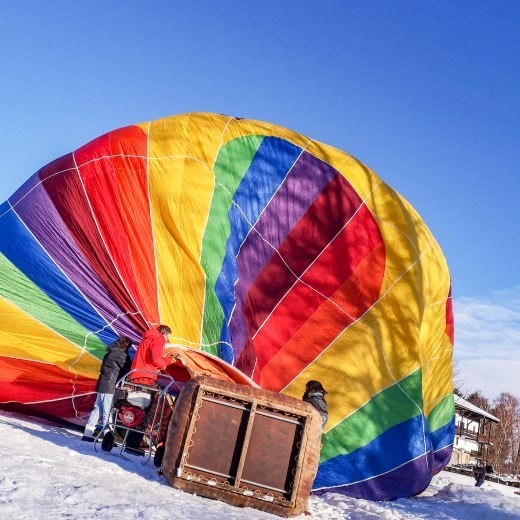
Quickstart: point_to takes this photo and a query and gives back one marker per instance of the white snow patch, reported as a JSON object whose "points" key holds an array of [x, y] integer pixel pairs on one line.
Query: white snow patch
{"points": [[47, 472]]}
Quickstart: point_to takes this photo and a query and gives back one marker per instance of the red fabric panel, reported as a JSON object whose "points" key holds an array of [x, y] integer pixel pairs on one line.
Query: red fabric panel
{"points": [[28, 381], [117, 188], [333, 267], [323, 220], [68, 195], [450, 325], [60, 412], [355, 296]]}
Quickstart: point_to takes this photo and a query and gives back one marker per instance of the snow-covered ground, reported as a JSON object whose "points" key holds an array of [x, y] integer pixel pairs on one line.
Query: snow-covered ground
{"points": [[47, 472]]}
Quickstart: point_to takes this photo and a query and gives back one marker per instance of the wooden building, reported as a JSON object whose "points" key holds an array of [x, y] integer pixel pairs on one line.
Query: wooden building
{"points": [[472, 433]]}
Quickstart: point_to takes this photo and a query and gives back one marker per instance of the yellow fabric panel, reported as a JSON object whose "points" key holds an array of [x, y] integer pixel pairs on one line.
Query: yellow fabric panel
{"points": [[362, 178], [42, 344], [435, 349], [346, 370], [182, 151], [239, 128]]}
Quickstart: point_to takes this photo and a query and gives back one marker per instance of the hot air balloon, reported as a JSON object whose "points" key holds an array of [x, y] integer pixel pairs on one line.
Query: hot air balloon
{"points": [[275, 257]]}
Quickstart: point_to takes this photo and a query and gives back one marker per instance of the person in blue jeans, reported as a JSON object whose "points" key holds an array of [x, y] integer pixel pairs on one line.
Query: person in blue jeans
{"points": [[115, 364]]}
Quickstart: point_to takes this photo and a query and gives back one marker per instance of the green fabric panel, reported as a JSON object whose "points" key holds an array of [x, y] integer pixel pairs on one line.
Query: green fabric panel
{"points": [[386, 409], [442, 414], [232, 163], [20, 291]]}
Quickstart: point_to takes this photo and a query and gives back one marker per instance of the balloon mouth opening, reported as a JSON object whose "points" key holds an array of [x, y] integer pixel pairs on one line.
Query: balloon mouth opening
{"points": [[186, 363]]}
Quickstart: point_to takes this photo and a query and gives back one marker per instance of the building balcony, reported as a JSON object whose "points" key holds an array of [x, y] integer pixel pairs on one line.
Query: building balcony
{"points": [[470, 434]]}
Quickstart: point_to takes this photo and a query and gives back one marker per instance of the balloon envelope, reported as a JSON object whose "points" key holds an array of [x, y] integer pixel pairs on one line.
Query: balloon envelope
{"points": [[284, 257]]}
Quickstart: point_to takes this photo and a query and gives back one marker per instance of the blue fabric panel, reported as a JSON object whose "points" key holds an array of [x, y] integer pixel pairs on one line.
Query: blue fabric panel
{"points": [[396, 446], [20, 247], [273, 159], [406, 480], [443, 436]]}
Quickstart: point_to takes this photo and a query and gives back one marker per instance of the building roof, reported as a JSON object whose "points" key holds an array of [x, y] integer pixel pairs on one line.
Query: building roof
{"points": [[466, 405]]}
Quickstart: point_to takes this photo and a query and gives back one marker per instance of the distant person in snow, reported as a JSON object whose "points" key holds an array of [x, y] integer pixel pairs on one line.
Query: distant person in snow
{"points": [[479, 472], [115, 364], [149, 355], [315, 395]]}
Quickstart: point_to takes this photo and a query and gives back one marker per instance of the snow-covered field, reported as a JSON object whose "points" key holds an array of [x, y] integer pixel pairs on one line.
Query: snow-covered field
{"points": [[47, 472]]}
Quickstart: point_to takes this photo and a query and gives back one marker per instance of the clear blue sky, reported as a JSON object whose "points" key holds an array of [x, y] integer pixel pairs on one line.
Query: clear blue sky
{"points": [[425, 93]]}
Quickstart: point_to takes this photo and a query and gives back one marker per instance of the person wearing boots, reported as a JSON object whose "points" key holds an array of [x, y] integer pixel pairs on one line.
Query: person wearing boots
{"points": [[115, 365], [315, 395]]}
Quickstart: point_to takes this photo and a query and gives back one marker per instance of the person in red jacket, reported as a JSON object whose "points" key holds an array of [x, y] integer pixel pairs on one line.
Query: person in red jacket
{"points": [[149, 355]]}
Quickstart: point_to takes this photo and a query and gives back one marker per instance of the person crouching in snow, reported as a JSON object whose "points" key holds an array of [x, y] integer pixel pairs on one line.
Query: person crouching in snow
{"points": [[149, 355], [115, 364], [315, 395]]}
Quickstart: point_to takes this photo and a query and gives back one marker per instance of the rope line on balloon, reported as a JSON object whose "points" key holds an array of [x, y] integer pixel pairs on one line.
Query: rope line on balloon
{"points": [[48, 400], [389, 224], [438, 398], [221, 143]]}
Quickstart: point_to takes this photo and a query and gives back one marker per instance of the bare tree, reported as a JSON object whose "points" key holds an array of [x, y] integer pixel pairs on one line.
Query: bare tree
{"points": [[459, 379], [478, 399], [506, 435]]}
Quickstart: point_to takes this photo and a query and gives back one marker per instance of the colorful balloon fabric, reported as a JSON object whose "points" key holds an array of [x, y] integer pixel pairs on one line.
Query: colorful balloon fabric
{"points": [[284, 257]]}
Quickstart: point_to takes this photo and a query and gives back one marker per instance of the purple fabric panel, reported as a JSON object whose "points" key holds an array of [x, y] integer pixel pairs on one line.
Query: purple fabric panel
{"points": [[441, 458], [40, 216], [303, 184], [406, 481]]}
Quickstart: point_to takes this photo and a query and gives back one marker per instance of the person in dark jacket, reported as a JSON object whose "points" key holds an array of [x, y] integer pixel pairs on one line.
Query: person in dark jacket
{"points": [[115, 364], [315, 395], [479, 472]]}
